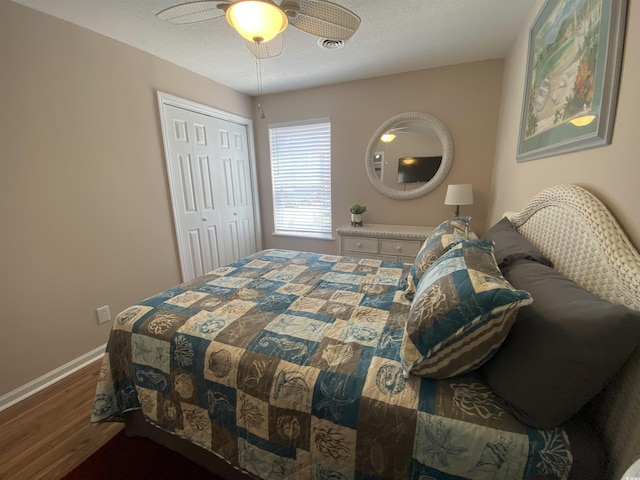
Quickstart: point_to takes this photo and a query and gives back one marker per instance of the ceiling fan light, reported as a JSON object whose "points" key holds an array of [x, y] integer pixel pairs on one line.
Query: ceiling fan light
{"points": [[256, 20]]}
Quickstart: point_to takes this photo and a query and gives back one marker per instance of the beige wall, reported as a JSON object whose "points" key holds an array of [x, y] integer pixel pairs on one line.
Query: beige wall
{"points": [[465, 98], [85, 215], [611, 172]]}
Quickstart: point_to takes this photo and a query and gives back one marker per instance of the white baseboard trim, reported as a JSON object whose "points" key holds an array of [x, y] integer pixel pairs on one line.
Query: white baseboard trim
{"points": [[34, 386]]}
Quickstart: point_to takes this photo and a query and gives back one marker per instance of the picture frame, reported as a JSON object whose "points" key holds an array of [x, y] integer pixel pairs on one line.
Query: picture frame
{"points": [[573, 71]]}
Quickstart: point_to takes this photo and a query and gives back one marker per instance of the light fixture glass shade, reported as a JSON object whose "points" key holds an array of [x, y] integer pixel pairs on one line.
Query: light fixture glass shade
{"points": [[461, 194], [256, 20]]}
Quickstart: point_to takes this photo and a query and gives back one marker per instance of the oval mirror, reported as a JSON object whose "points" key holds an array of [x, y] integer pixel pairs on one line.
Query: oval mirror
{"points": [[409, 155]]}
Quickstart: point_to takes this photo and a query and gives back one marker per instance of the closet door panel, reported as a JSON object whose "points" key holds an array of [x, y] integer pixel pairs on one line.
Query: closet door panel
{"points": [[210, 181]]}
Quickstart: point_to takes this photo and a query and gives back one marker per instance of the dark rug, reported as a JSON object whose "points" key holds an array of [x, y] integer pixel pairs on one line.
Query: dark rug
{"points": [[137, 458]]}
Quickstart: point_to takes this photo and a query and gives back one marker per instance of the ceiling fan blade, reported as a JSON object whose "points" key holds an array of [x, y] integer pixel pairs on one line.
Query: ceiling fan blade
{"points": [[321, 18], [399, 130], [270, 49], [194, 12]]}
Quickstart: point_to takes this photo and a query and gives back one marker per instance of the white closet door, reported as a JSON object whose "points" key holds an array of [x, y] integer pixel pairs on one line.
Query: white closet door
{"points": [[213, 246], [209, 199], [238, 215], [244, 193]]}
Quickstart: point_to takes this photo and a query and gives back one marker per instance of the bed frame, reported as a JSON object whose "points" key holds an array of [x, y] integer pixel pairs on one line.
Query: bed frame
{"points": [[578, 233]]}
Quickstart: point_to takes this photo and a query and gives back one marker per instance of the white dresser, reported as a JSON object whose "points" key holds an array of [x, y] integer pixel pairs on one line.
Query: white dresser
{"points": [[399, 243]]}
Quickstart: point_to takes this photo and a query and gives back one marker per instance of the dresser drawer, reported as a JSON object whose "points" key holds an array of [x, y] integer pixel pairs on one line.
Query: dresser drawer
{"points": [[360, 244], [404, 248]]}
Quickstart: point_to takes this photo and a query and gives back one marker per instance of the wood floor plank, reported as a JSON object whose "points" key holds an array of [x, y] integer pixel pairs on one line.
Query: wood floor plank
{"points": [[48, 434]]}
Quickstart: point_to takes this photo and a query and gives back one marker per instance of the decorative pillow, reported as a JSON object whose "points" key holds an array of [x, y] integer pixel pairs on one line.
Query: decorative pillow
{"points": [[438, 242], [562, 349], [462, 312], [511, 246]]}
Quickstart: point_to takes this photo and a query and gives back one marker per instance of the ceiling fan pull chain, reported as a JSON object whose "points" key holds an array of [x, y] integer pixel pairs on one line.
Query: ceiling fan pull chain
{"points": [[259, 81]]}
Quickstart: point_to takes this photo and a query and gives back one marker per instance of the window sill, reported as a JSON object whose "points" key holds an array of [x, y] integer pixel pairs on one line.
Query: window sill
{"points": [[304, 235]]}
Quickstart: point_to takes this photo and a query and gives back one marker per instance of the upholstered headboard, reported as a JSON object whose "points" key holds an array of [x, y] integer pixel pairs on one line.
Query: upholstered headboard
{"points": [[578, 233]]}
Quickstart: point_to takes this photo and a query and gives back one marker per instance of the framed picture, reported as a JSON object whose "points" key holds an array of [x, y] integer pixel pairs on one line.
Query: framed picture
{"points": [[573, 69]]}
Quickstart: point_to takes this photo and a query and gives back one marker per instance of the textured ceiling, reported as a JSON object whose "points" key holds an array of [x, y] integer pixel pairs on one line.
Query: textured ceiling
{"points": [[394, 37]]}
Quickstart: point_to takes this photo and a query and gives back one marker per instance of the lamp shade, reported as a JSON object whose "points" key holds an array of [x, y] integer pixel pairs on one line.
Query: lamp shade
{"points": [[461, 194], [256, 20]]}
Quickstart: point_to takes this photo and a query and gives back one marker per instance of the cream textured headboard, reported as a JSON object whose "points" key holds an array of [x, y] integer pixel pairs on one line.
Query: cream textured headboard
{"points": [[579, 234]]}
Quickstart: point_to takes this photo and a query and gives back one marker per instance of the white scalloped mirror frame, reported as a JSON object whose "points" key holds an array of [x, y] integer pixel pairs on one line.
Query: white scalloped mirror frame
{"points": [[445, 166]]}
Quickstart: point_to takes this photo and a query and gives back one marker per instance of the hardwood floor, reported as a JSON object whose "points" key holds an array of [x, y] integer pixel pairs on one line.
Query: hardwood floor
{"points": [[48, 434]]}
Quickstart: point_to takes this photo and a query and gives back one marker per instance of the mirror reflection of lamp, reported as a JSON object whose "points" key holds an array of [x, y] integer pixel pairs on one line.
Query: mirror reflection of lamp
{"points": [[387, 137]]}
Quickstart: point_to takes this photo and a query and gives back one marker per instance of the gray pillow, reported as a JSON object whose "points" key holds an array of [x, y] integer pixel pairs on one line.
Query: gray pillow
{"points": [[511, 246], [561, 350]]}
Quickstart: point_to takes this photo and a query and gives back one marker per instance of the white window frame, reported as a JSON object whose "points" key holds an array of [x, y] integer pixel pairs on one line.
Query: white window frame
{"points": [[284, 156]]}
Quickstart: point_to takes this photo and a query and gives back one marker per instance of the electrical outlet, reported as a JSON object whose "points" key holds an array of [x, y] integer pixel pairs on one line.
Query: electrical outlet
{"points": [[104, 315]]}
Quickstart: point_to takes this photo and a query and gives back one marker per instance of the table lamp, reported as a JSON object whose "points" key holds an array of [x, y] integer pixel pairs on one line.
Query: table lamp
{"points": [[461, 194]]}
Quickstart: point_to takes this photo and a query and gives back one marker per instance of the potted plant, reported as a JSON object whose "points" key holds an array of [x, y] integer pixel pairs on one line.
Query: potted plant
{"points": [[356, 214]]}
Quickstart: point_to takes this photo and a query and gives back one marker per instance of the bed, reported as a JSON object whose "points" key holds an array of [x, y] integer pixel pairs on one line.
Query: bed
{"points": [[291, 364]]}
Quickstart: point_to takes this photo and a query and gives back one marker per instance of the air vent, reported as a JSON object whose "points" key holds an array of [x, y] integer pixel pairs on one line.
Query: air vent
{"points": [[329, 44]]}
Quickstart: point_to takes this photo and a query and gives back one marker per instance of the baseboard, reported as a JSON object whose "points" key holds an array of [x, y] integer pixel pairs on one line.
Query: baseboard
{"points": [[34, 386]]}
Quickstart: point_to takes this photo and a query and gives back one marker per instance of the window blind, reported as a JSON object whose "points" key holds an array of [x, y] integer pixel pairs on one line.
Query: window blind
{"points": [[301, 178]]}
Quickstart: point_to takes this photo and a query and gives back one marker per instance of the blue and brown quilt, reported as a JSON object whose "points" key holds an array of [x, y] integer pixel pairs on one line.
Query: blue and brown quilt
{"points": [[287, 365]]}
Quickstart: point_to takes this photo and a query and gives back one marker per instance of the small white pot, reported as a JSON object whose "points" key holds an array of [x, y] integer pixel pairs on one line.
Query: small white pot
{"points": [[356, 219]]}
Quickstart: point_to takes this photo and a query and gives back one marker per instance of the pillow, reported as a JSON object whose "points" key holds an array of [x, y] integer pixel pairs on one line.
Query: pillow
{"points": [[462, 312], [510, 245], [438, 241], [562, 349]]}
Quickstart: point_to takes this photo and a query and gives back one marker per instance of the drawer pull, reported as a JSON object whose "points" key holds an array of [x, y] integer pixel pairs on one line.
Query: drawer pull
{"points": [[359, 245], [399, 248]]}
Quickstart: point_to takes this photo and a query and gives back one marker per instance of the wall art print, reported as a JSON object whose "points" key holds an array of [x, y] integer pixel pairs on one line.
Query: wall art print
{"points": [[573, 69]]}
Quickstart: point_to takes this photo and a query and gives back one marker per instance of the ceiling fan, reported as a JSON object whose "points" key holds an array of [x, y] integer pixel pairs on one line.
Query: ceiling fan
{"points": [[260, 22]]}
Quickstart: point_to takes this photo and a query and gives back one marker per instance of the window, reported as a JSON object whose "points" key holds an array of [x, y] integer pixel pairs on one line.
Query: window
{"points": [[301, 178]]}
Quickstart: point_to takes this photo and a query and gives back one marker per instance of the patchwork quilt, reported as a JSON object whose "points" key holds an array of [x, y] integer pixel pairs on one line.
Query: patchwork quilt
{"points": [[287, 365]]}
